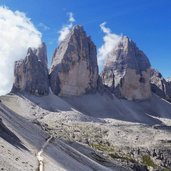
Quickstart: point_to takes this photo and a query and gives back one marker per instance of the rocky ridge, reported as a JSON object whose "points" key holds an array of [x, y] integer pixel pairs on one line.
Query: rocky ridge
{"points": [[74, 70]]}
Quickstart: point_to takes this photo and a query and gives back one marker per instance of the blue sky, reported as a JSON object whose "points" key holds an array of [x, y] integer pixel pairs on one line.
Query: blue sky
{"points": [[147, 22]]}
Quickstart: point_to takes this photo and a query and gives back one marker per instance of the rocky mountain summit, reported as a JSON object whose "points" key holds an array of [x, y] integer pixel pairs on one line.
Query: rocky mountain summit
{"points": [[127, 71], [31, 73], [74, 69], [160, 85]]}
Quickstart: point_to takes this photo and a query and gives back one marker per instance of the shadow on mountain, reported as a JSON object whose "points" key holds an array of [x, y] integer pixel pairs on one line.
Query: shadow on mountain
{"points": [[102, 106], [51, 102], [10, 137]]}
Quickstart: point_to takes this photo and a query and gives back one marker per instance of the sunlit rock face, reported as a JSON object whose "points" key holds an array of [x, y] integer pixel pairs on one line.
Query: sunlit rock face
{"points": [[127, 71], [74, 69], [160, 85], [31, 73]]}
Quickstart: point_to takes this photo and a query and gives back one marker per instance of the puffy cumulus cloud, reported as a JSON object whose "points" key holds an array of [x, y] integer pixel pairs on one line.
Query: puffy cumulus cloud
{"points": [[66, 28], [17, 33], [110, 40]]}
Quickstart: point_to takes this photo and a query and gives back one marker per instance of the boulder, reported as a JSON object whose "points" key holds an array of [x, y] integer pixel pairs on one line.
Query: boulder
{"points": [[127, 71], [74, 69], [31, 74]]}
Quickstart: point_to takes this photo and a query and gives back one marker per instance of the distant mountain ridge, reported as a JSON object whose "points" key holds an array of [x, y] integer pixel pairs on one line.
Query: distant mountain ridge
{"points": [[74, 70]]}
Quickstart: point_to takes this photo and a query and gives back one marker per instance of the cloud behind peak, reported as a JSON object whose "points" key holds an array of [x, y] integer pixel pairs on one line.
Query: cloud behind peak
{"points": [[109, 41], [17, 33], [64, 31]]}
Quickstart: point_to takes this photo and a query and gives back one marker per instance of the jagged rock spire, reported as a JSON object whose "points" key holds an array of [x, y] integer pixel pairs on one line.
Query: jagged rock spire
{"points": [[127, 71], [31, 73], [160, 85], [74, 69]]}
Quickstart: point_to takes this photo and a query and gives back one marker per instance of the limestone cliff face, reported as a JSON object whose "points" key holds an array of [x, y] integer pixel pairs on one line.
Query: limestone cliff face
{"points": [[168, 89], [74, 69], [31, 73], [160, 86], [127, 71]]}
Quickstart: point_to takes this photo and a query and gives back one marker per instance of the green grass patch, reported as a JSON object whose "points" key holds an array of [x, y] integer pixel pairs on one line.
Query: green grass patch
{"points": [[147, 161], [117, 156], [165, 169], [102, 147], [111, 152]]}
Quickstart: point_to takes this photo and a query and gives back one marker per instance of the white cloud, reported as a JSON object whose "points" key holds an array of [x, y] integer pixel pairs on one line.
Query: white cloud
{"points": [[66, 28], [17, 33], [43, 26], [64, 32], [71, 17], [110, 40]]}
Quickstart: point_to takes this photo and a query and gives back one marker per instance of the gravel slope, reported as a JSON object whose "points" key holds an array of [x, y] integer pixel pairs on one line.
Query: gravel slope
{"points": [[92, 120]]}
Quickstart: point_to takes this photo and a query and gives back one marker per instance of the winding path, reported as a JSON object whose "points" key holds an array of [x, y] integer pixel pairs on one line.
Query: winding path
{"points": [[39, 157]]}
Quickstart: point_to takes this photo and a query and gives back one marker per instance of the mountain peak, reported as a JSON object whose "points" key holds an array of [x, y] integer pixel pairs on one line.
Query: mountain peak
{"points": [[31, 73], [126, 71], [74, 69], [77, 28], [128, 55]]}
